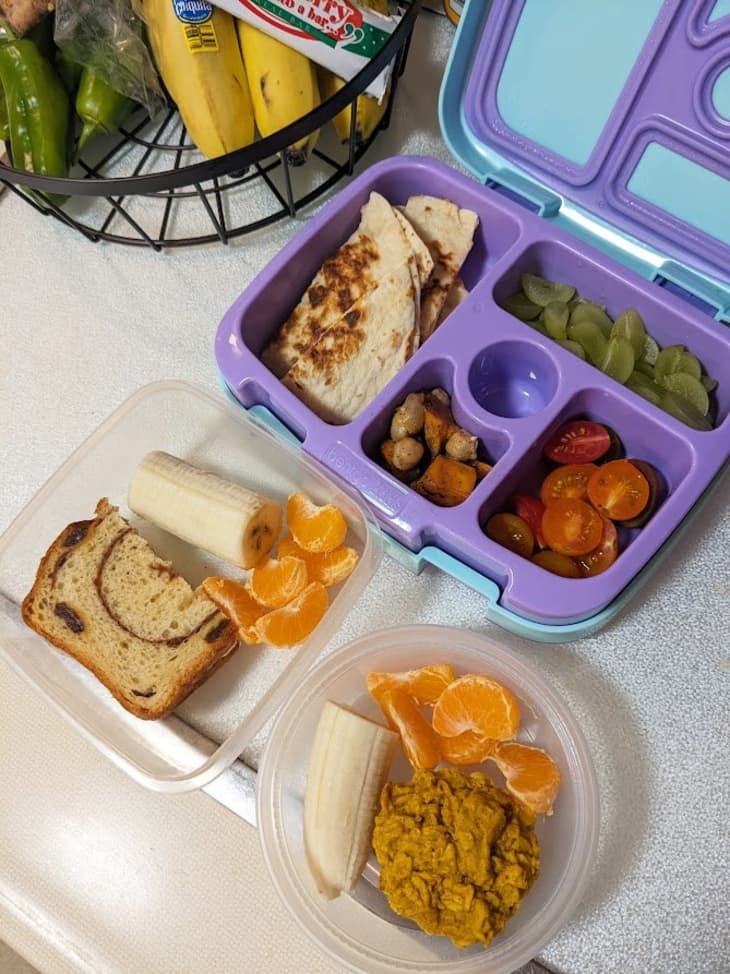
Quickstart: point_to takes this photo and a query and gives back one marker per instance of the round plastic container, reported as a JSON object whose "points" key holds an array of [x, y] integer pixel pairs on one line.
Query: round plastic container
{"points": [[354, 928]]}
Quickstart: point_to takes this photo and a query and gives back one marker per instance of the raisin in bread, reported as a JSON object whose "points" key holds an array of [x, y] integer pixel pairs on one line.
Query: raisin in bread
{"points": [[103, 596]]}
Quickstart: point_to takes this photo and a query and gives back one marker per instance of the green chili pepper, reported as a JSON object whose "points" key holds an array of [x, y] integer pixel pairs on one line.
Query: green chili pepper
{"points": [[42, 36], [38, 111], [4, 124], [99, 106]]}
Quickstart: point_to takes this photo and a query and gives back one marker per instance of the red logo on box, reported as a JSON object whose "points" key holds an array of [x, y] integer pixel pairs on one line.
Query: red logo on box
{"points": [[331, 17]]}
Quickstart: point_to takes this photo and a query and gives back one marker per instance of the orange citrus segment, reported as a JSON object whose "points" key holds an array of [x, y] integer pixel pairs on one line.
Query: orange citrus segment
{"points": [[478, 704], [417, 738], [277, 581], [236, 602], [466, 748], [314, 528], [294, 622], [425, 685], [329, 568], [530, 774]]}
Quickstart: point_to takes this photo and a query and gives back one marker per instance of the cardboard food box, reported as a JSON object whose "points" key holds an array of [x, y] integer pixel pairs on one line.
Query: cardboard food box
{"points": [[341, 35]]}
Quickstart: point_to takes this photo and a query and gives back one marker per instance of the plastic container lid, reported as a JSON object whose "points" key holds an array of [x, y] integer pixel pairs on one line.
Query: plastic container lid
{"points": [[612, 118], [346, 927], [210, 729]]}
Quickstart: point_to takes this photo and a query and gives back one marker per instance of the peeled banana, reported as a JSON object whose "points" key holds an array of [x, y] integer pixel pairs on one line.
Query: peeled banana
{"points": [[201, 65], [368, 114], [283, 86], [203, 509], [349, 763]]}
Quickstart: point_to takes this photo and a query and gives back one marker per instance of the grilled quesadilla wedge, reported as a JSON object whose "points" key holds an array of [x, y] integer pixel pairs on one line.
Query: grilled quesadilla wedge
{"points": [[448, 232], [343, 279], [358, 355]]}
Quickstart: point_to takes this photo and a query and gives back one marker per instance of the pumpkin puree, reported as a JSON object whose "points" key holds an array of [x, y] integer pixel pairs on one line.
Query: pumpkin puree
{"points": [[456, 853]]}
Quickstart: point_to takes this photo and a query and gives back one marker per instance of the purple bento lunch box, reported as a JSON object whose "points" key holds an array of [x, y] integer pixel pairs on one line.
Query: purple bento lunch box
{"points": [[509, 385]]}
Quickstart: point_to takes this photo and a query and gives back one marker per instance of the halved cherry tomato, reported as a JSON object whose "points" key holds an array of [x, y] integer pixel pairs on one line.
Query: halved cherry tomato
{"points": [[530, 509], [619, 490], [567, 482], [603, 556], [579, 441], [512, 532], [656, 493], [558, 564], [572, 527], [616, 450]]}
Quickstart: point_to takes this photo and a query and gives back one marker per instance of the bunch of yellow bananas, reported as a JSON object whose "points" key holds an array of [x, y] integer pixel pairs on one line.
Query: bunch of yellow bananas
{"points": [[225, 75]]}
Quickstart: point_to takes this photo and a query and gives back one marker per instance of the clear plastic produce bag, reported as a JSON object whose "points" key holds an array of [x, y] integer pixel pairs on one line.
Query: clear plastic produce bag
{"points": [[108, 37]]}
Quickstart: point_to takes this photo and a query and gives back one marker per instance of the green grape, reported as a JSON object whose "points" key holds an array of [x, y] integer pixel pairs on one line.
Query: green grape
{"points": [[542, 292], [667, 360], [590, 336], [683, 410], [618, 362], [650, 351], [630, 326], [555, 318], [709, 383], [689, 364], [575, 347], [588, 311], [642, 366], [689, 388], [519, 306], [643, 386]]}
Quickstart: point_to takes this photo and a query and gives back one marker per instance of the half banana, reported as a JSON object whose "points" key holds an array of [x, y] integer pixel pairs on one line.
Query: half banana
{"points": [[350, 759], [214, 514]]}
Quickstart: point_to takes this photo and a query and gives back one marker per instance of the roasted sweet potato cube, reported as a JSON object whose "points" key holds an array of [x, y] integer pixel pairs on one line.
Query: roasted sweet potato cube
{"points": [[481, 468], [446, 482], [438, 423]]}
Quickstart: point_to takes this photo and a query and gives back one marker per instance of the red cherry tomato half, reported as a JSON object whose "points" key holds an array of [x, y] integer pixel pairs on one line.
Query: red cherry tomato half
{"points": [[603, 556], [531, 510], [569, 481], [579, 441], [572, 527]]}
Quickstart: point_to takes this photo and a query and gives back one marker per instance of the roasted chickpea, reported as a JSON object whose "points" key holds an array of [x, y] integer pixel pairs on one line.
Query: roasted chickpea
{"points": [[407, 453], [408, 417], [462, 445]]}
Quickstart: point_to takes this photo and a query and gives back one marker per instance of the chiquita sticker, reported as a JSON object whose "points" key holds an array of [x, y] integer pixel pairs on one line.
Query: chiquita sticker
{"points": [[196, 17]]}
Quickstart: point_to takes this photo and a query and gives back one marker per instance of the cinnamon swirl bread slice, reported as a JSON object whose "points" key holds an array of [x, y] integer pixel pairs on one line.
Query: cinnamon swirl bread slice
{"points": [[103, 596]]}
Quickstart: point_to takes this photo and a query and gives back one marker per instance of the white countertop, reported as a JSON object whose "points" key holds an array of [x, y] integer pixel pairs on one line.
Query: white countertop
{"points": [[98, 875]]}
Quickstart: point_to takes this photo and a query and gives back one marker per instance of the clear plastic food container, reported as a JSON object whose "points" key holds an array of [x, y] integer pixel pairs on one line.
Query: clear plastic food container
{"points": [[359, 930], [209, 730]]}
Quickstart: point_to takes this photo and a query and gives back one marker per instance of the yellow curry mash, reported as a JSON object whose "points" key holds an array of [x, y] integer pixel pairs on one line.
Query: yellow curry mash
{"points": [[456, 853]]}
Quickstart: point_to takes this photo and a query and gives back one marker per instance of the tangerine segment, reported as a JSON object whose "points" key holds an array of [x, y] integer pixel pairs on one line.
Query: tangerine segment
{"points": [[478, 704], [466, 748], [530, 775], [278, 581], [294, 622], [329, 568], [425, 685], [314, 528], [417, 738], [236, 602]]}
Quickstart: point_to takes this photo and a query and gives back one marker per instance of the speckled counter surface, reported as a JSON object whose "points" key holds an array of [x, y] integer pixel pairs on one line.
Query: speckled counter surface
{"points": [[98, 875]]}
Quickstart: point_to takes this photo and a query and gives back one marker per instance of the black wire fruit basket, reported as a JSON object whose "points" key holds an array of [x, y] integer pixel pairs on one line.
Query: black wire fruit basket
{"points": [[148, 186]]}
